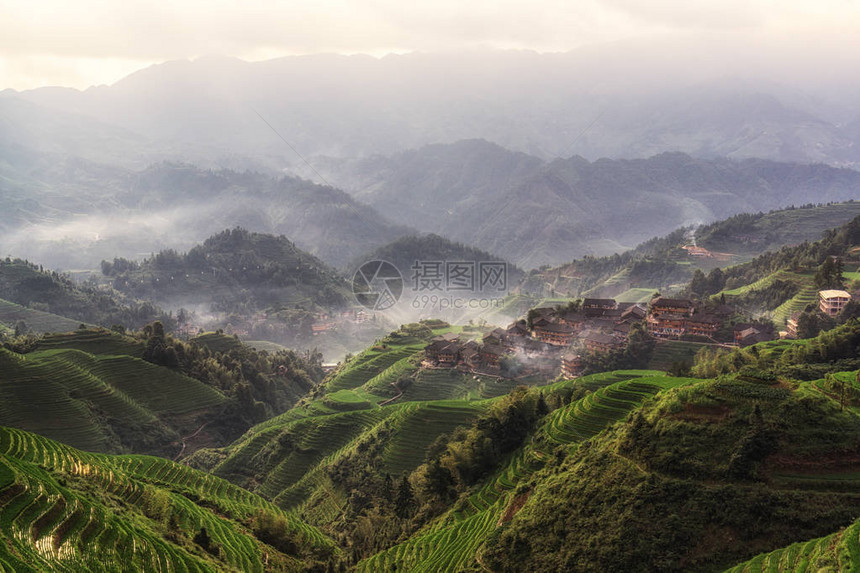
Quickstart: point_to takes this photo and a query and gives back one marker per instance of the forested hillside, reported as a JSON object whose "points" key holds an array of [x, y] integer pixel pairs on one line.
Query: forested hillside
{"points": [[237, 271], [48, 301]]}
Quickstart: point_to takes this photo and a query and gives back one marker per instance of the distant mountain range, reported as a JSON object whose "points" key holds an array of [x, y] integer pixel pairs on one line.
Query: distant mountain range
{"points": [[534, 212], [67, 212], [178, 151], [593, 103]]}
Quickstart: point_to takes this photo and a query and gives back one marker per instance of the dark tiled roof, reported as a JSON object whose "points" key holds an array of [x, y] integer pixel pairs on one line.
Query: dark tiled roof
{"points": [[557, 328], [634, 310], [436, 346], [599, 338], [492, 349], [571, 316]]}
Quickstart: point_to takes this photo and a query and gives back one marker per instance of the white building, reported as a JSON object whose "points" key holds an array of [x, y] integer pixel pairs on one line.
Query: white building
{"points": [[831, 302]]}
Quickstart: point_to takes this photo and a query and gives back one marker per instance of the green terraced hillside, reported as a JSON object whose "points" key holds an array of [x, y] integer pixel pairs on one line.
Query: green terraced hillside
{"points": [[450, 543], [700, 477], [290, 459], [668, 352], [93, 341], [836, 552], [283, 461], [65, 510], [36, 321], [100, 402]]}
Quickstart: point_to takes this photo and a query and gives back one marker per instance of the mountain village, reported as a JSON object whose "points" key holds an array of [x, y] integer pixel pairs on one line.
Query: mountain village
{"points": [[553, 340]]}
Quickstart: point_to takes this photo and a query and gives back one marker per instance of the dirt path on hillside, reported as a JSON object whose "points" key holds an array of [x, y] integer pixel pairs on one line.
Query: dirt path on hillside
{"points": [[184, 438]]}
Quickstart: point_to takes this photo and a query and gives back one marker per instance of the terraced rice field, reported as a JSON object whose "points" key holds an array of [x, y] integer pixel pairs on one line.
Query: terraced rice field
{"points": [[837, 552], [371, 363], [416, 426], [217, 342], [451, 543], [381, 383], [66, 510], [799, 278], [93, 341], [442, 384], [311, 440], [636, 295], [666, 352], [61, 393], [807, 295], [36, 320]]}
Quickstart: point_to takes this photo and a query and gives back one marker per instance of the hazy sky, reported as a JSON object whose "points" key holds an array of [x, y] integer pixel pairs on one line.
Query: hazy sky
{"points": [[87, 42]]}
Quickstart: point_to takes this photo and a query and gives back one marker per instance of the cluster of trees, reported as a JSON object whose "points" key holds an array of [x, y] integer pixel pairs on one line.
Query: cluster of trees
{"points": [[702, 285], [829, 274], [261, 384], [458, 461], [380, 509]]}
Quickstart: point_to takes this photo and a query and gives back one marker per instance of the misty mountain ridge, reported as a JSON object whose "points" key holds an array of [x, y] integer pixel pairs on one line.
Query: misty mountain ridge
{"points": [[67, 212], [234, 269], [533, 212], [591, 103]]}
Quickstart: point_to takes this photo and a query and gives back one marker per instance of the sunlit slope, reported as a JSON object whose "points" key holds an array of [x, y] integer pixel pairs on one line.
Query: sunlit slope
{"points": [[696, 479], [66, 510], [836, 552]]}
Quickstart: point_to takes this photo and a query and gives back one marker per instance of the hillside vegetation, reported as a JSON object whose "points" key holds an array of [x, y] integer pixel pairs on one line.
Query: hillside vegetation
{"points": [[409, 468], [65, 510], [405, 251], [694, 480], [780, 283]]}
